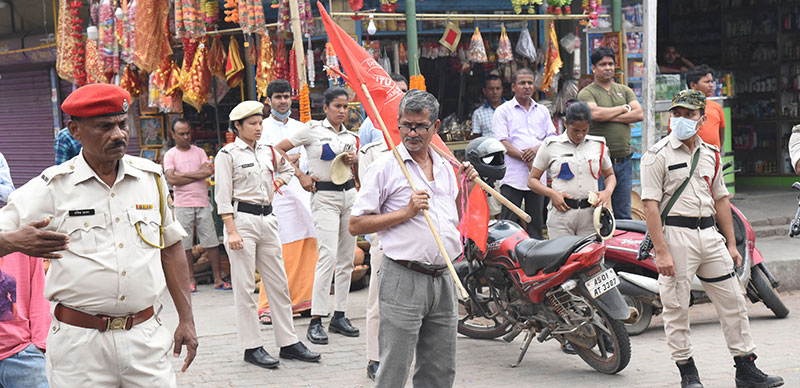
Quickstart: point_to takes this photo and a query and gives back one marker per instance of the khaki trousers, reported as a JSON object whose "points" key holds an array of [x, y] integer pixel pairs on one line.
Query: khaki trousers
{"points": [[702, 252], [262, 250], [375, 259], [573, 222], [79, 357], [331, 212]]}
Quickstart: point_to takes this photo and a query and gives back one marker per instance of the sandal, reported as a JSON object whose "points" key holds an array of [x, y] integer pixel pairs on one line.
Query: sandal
{"points": [[265, 318], [193, 288], [223, 286]]}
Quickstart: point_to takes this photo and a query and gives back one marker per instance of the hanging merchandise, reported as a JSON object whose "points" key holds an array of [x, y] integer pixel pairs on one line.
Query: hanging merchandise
{"points": [[402, 52], [216, 57], [151, 42], [388, 6], [190, 46], [417, 82], [518, 4], [293, 77], [131, 82], [477, 50], [130, 22], [234, 68], [197, 84], [311, 70], [232, 11], [451, 36], [153, 93], [70, 47], [284, 16], [553, 63], [304, 13], [251, 17], [591, 8], [331, 61], [555, 6], [252, 50], [265, 72], [305, 104], [93, 62], [281, 63], [525, 45], [210, 11], [385, 62], [107, 44], [355, 5], [190, 18], [504, 52]]}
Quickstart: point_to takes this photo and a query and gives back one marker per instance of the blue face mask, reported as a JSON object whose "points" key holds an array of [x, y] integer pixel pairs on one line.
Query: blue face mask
{"points": [[282, 116], [683, 128]]}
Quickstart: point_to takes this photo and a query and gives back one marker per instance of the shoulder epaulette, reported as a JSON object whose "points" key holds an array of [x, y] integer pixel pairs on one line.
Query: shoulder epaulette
{"points": [[601, 139], [659, 145], [372, 145], [711, 147], [143, 164], [54, 171]]}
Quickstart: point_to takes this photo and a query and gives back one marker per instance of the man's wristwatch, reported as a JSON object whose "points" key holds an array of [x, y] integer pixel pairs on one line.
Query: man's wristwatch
{"points": [[628, 107]]}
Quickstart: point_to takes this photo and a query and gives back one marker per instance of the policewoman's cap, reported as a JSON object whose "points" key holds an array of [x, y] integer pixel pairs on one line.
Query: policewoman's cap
{"points": [[246, 109], [689, 99], [96, 100]]}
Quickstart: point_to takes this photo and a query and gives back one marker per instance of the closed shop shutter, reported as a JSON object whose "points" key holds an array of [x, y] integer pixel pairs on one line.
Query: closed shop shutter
{"points": [[26, 123]]}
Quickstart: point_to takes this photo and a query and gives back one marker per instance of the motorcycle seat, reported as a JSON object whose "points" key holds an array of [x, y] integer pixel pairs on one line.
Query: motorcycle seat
{"points": [[550, 255], [632, 226]]}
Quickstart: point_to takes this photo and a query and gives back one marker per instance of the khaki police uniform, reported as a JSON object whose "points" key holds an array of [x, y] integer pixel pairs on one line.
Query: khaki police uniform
{"points": [[245, 182], [695, 250], [109, 269], [574, 169], [370, 153], [330, 207]]}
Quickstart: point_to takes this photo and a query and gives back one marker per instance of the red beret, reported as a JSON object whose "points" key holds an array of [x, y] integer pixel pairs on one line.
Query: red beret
{"points": [[97, 100]]}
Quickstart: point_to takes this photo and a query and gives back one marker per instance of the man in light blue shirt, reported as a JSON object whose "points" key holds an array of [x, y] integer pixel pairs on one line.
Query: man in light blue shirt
{"points": [[482, 117], [367, 133], [6, 185]]}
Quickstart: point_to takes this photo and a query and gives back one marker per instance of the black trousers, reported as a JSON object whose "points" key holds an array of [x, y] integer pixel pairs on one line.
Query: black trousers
{"points": [[534, 205]]}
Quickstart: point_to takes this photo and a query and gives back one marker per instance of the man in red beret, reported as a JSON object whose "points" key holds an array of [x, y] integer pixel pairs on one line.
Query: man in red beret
{"points": [[123, 250]]}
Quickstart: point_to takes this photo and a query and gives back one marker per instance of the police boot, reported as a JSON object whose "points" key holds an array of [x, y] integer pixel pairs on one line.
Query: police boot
{"points": [[689, 376], [749, 376]]}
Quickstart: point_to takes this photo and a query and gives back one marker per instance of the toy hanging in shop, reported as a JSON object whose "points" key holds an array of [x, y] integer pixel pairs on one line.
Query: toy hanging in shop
{"points": [[198, 82], [266, 67], [251, 17], [232, 11], [592, 8], [305, 104], [518, 4], [553, 64], [504, 52], [525, 45], [451, 36], [234, 68], [216, 57], [477, 49]]}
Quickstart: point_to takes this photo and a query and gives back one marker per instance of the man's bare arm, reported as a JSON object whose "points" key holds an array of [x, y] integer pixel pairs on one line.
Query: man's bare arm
{"points": [[605, 114], [634, 116], [176, 273]]}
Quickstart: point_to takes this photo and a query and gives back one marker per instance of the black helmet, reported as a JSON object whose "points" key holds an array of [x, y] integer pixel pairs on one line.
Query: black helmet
{"points": [[486, 155]]}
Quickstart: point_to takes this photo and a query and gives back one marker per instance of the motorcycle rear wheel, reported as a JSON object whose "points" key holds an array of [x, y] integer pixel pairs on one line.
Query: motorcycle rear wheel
{"points": [[600, 358], [473, 324], [766, 293]]}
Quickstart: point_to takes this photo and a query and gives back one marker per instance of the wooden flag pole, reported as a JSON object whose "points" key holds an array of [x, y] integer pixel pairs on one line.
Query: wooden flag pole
{"points": [[397, 156], [297, 36]]}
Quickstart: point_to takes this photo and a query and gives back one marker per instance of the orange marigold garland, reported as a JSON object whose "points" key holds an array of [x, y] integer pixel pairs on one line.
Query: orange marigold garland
{"points": [[417, 82], [305, 104]]}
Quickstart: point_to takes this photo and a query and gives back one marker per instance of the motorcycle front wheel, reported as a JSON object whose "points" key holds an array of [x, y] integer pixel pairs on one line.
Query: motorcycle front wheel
{"points": [[487, 324], [612, 350]]}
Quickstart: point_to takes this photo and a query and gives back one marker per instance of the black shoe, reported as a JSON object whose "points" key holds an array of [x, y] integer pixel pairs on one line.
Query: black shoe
{"points": [[749, 376], [372, 369], [316, 334], [567, 348], [259, 357], [298, 351], [689, 376], [342, 326]]}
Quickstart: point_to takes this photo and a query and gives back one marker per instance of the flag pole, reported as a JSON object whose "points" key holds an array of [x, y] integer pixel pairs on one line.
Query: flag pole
{"points": [[399, 159]]}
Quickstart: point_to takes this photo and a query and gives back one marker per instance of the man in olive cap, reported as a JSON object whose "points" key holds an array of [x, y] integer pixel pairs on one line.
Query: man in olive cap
{"points": [[688, 244], [123, 251]]}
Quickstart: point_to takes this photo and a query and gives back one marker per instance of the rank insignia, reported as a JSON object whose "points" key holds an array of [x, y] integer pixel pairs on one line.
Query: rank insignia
{"points": [[144, 206]]}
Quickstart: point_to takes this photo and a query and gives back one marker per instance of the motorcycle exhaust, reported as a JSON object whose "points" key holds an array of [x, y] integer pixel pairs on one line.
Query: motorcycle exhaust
{"points": [[633, 317]]}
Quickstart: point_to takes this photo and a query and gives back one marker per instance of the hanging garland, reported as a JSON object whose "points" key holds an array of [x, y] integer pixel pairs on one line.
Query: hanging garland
{"points": [[281, 63], [312, 72], [518, 4], [417, 82], [232, 11], [293, 77], [305, 104], [79, 50]]}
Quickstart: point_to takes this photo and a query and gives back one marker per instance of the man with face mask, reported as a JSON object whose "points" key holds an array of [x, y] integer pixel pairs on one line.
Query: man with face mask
{"points": [[688, 244]]}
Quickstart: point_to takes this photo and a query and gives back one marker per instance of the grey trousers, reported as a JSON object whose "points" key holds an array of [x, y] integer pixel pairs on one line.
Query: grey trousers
{"points": [[417, 316]]}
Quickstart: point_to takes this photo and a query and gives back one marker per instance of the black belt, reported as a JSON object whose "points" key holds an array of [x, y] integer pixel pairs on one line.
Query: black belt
{"points": [[330, 186], [258, 210], [414, 266], [718, 278], [621, 159], [690, 222], [577, 203]]}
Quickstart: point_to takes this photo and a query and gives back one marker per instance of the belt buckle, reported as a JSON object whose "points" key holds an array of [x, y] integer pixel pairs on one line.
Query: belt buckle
{"points": [[116, 323]]}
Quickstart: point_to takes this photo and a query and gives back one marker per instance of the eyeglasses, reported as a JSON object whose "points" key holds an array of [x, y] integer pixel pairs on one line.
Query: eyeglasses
{"points": [[417, 128]]}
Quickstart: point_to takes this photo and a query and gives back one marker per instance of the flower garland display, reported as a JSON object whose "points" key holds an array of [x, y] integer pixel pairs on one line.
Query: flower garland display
{"points": [[251, 16], [211, 11], [190, 18], [107, 46], [305, 104], [71, 45], [266, 67], [304, 12], [232, 11], [293, 77], [417, 82], [518, 4]]}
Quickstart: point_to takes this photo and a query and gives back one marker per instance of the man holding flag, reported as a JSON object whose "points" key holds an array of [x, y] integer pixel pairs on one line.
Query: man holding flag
{"points": [[418, 315]]}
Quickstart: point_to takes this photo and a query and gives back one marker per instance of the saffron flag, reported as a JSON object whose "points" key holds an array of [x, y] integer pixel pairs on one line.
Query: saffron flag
{"points": [[360, 68]]}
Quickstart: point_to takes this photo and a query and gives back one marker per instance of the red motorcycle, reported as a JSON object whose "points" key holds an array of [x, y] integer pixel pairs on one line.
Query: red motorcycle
{"points": [[551, 290], [639, 278]]}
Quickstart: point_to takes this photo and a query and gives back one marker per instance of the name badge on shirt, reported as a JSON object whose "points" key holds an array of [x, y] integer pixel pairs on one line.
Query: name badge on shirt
{"points": [[248, 165], [81, 212], [677, 166]]}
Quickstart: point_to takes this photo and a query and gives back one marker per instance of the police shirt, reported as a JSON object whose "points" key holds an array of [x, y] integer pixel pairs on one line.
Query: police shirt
{"points": [[322, 144], [574, 168]]}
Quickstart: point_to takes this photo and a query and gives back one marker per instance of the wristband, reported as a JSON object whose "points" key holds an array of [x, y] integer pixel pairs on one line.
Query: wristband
{"points": [[628, 107]]}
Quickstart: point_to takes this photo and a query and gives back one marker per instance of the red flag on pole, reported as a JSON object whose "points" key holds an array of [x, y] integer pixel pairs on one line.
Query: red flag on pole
{"points": [[361, 68]]}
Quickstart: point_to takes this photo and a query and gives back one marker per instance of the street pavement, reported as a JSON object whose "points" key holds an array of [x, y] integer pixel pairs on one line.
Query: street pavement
{"points": [[484, 363]]}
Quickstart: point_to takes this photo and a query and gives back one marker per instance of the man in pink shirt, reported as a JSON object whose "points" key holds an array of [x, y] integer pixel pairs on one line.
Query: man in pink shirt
{"points": [[24, 320], [416, 295], [186, 167], [522, 125]]}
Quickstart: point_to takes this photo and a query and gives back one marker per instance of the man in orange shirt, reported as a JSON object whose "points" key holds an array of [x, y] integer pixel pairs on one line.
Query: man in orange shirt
{"points": [[701, 78]]}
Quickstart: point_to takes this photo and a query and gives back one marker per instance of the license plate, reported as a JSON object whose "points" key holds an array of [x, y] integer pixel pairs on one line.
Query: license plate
{"points": [[602, 283]]}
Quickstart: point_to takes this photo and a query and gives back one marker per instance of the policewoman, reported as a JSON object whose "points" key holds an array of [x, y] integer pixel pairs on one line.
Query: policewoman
{"points": [[124, 250], [575, 161], [247, 175], [327, 142], [682, 184]]}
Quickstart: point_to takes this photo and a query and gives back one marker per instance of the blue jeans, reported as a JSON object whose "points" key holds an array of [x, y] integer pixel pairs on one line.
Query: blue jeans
{"points": [[25, 369], [621, 197]]}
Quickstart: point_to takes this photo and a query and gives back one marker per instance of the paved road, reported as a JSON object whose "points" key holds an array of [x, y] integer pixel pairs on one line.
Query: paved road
{"points": [[486, 363]]}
